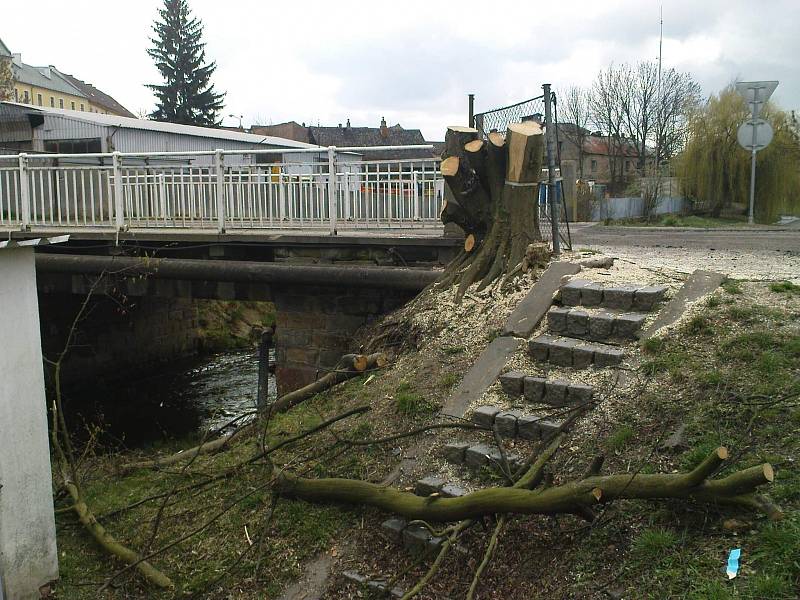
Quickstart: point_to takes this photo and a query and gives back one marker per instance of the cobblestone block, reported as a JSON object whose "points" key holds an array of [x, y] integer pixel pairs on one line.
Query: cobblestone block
{"points": [[647, 297], [571, 292], [506, 423], [582, 356], [555, 392], [417, 539], [607, 356], [428, 485], [620, 296], [533, 388], [579, 393], [528, 427], [601, 326], [485, 415], [549, 426], [560, 352], [512, 383], [481, 454], [454, 452], [627, 325], [557, 319], [578, 323], [394, 527], [539, 347], [592, 294], [451, 490]]}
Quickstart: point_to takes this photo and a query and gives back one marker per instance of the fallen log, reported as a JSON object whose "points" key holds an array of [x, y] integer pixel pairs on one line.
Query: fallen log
{"points": [[576, 497]]}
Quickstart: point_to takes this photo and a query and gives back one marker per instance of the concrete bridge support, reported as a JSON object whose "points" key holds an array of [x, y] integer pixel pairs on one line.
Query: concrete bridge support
{"points": [[28, 557]]}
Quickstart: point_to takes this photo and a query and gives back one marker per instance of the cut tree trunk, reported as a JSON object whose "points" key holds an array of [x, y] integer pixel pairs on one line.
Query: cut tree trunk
{"points": [[493, 194]]}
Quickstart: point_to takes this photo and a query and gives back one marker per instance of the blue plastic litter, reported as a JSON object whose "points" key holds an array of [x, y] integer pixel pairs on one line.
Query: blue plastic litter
{"points": [[733, 563]]}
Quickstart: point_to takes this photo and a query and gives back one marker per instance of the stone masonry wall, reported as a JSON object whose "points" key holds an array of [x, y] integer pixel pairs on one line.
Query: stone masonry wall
{"points": [[315, 327], [115, 341]]}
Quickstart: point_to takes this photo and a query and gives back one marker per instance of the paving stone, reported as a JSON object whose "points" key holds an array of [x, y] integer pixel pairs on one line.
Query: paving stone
{"points": [[601, 326], [677, 440], [485, 415], [417, 538], [582, 356], [561, 351], [506, 423], [549, 426], [627, 325], [557, 319], [354, 576], [592, 294], [571, 292], [539, 347], [698, 285], [454, 452], [451, 490], [515, 461], [647, 297], [578, 323], [555, 392], [512, 382], [579, 393], [394, 527], [429, 485], [619, 296], [533, 388], [607, 356], [480, 454], [528, 427]]}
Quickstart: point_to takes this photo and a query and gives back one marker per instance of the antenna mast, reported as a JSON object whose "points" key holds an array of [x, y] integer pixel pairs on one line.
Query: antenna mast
{"points": [[660, 125]]}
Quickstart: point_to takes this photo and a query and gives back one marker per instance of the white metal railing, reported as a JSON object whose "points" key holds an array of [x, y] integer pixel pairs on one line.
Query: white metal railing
{"points": [[326, 188]]}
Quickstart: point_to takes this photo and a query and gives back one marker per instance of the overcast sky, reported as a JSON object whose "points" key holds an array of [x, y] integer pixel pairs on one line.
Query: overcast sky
{"points": [[411, 61]]}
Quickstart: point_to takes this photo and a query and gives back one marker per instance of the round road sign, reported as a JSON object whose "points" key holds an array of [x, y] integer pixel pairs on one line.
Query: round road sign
{"points": [[754, 135]]}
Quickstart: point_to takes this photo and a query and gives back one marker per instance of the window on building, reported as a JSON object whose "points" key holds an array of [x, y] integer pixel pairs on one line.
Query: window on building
{"points": [[16, 95], [52, 102], [73, 146], [81, 106], [39, 99], [72, 105], [25, 97], [60, 103], [594, 166]]}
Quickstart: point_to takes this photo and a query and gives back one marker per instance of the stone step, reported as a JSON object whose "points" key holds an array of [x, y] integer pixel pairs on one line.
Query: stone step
{"points": [[555, 392], [414, 538], [640, 297], [378, 585], [477, 454], [434, 484], [510, 424], [572, 352], [596, 326]]}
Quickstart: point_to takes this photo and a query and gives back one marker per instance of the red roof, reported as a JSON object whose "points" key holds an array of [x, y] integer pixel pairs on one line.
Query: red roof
{"points": [[594, 144]]}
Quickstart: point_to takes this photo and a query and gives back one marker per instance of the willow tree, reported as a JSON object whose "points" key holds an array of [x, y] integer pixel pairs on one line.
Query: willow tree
{"points": [[492, 191], [715, 170]]}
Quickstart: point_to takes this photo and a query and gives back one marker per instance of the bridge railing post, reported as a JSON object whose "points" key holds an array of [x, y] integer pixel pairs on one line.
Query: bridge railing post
{"points": [[24, 193], [415, 195], [332, 204], [119, 202], [219, 167]]}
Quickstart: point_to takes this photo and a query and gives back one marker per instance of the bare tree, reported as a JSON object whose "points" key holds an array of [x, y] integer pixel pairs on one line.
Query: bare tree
{"points": [[607, 116], [679, 95], [575, 114]]}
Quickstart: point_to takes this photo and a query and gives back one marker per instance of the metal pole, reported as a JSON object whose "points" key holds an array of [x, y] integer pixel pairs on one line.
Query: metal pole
{"points": [[551, 169], [119, 204], [754, 111], [471, 110], [219, 169], [24, 193], [332, 204]]}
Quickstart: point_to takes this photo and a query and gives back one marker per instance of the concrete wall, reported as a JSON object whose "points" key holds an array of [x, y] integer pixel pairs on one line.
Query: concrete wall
{"points": [[115, 340], [625, 208], [28, 557]]}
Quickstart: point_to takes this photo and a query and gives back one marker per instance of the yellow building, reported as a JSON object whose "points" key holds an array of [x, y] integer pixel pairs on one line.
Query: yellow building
{"points": [[47, 86]]}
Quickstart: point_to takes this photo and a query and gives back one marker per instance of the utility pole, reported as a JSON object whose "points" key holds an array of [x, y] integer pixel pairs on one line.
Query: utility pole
{"points": [[551, 169], [471, 122]]}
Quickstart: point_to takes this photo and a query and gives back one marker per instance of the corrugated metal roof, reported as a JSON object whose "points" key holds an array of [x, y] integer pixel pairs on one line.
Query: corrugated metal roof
{"points": [[44, 77], [144, 124]]}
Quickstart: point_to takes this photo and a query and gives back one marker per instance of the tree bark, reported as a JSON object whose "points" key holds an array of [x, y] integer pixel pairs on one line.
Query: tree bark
{"points": [[493, 197]]}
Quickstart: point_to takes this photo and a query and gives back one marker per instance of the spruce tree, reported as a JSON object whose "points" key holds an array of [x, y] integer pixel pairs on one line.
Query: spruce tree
{"points": [[187, 95]]}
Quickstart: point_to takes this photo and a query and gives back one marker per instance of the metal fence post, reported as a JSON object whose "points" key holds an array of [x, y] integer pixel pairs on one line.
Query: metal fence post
{"points": [[332, 204], [415, 207], [24, 193], [471, 121], [219, 168], [119, 203], [555, 211]]}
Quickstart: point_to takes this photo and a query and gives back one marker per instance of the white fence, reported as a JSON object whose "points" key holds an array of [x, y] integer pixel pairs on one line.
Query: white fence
{"points": [[328, 188]]}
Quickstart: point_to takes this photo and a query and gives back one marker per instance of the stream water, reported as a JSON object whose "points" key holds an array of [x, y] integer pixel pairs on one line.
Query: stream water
{"points": [[204, 394]]}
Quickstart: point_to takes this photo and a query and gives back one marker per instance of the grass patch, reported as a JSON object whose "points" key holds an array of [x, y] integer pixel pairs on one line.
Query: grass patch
{"points": [[409, 402], [620, 438], [785, 287], [732, 286], [653, 345], [699, 325], [453, 350], [680, 221], [448, 380]]}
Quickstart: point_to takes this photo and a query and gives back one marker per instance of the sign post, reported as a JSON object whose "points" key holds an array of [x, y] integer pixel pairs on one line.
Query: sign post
{"points": [[754, 134]]}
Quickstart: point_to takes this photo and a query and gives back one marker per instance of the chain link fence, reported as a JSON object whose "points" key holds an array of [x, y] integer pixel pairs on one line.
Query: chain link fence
{"points": [[534, 109]]}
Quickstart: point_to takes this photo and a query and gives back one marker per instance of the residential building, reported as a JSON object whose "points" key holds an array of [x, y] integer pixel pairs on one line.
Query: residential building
{"points": [[49, 87]]}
